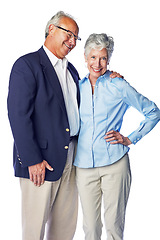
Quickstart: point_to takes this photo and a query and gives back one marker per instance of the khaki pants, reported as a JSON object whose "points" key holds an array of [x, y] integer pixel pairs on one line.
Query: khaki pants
{"points": [[54, 203], [113, 182]]}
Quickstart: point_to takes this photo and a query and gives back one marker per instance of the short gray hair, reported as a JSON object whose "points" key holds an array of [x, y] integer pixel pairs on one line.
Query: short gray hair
{"points": [[99, 41], [56, 19]]}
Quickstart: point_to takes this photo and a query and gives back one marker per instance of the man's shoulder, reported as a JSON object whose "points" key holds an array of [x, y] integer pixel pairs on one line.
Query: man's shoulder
{"points": [[29, 59], [29, 56]]}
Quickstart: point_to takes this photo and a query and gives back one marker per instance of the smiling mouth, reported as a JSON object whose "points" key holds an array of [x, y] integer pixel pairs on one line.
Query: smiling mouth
{"points": [[97, 70], [69, 47]]}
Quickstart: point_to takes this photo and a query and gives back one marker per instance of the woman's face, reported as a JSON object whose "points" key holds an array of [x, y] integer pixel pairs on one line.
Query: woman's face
{"points": [[97, 63]]}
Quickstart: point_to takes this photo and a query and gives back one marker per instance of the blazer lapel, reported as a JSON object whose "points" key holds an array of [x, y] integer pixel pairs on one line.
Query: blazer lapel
{"points": [[51, 76], [76, 79]]}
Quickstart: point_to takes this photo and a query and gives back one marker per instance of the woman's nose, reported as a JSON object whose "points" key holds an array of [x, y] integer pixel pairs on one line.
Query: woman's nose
{"points": [[97, 63]]}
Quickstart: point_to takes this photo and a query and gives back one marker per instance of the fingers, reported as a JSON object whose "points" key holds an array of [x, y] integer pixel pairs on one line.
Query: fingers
{"points": [[48, 166], [37, 178], [37, 172], [30, 175], [109, 134], [114, 137], [115, 74]]}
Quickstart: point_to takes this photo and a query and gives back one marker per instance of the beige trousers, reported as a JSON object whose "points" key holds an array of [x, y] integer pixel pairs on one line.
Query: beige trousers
{"points": [[53, 206], [113, 183]]}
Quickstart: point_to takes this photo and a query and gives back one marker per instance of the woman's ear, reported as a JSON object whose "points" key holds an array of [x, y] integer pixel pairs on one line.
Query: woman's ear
{"points": [[85, 57]]}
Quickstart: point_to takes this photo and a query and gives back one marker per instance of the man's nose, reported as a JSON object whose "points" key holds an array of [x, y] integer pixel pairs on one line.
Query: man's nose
{"points": [[72, 40]]}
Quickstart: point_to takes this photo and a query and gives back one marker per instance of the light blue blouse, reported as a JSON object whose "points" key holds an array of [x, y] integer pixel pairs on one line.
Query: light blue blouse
{"points": [[104, 111]]}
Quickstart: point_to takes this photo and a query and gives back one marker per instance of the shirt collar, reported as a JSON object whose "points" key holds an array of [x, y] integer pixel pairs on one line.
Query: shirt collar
{"points": [[54, 60], [106, 76]]}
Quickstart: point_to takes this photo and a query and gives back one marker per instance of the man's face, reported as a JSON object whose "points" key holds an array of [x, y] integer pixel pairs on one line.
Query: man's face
{"points": [[62, 42]]}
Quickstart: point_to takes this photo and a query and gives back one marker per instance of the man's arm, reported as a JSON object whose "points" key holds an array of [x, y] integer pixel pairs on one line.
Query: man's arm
{"points": [[21, 98], [22, 91]]}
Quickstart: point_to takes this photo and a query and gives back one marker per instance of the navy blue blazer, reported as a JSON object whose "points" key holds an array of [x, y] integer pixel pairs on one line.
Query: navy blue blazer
{"points": [[37, 114]]}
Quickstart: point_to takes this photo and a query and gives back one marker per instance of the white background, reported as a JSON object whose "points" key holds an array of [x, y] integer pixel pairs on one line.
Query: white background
{"points": [[135, 28]]}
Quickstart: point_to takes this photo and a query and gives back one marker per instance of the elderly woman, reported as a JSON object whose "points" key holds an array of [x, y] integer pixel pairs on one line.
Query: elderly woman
{"points": [[102, 162]]}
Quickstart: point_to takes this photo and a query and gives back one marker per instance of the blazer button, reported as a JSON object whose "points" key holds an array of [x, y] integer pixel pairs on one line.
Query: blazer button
{"points": [[67, 129], [66, 147]]}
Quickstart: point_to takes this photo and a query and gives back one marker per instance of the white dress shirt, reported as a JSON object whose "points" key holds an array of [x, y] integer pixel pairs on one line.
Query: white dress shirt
{"points": [[69, 90]]}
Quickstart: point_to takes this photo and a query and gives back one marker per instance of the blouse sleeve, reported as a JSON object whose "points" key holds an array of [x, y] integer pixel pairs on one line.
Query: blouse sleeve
{"points": [[148, 108]]}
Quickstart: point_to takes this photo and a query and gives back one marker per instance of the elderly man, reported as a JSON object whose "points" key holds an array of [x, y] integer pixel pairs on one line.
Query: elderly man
{"points": [[43, 111]]}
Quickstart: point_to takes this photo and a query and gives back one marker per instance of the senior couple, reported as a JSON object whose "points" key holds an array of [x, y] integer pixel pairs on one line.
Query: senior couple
{"points": [[49, 108]]}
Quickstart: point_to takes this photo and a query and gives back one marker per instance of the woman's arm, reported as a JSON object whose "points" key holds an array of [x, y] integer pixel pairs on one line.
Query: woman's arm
{"points": [[146, 107]]}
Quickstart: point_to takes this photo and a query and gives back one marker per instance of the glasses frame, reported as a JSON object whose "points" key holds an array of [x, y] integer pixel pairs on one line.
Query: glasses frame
{"points": [[73, 35]]}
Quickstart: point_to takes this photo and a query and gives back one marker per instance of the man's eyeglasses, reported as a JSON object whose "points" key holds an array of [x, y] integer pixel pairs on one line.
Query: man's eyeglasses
{"points": [[70, 34]]}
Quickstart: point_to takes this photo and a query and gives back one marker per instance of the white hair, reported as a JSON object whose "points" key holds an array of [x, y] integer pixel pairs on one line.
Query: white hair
{"points": [[56, 19], [99, 41]]}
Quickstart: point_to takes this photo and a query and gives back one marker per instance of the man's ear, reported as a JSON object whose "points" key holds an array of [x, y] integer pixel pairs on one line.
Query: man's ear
{"points": [[51, 29]]}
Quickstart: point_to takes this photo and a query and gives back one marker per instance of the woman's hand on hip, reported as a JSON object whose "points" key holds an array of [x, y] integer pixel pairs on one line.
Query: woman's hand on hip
{"points": [[115, 137]]}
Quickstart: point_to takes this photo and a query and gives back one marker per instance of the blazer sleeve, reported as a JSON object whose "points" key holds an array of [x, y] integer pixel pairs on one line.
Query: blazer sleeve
{"points": [[21, 96]]}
